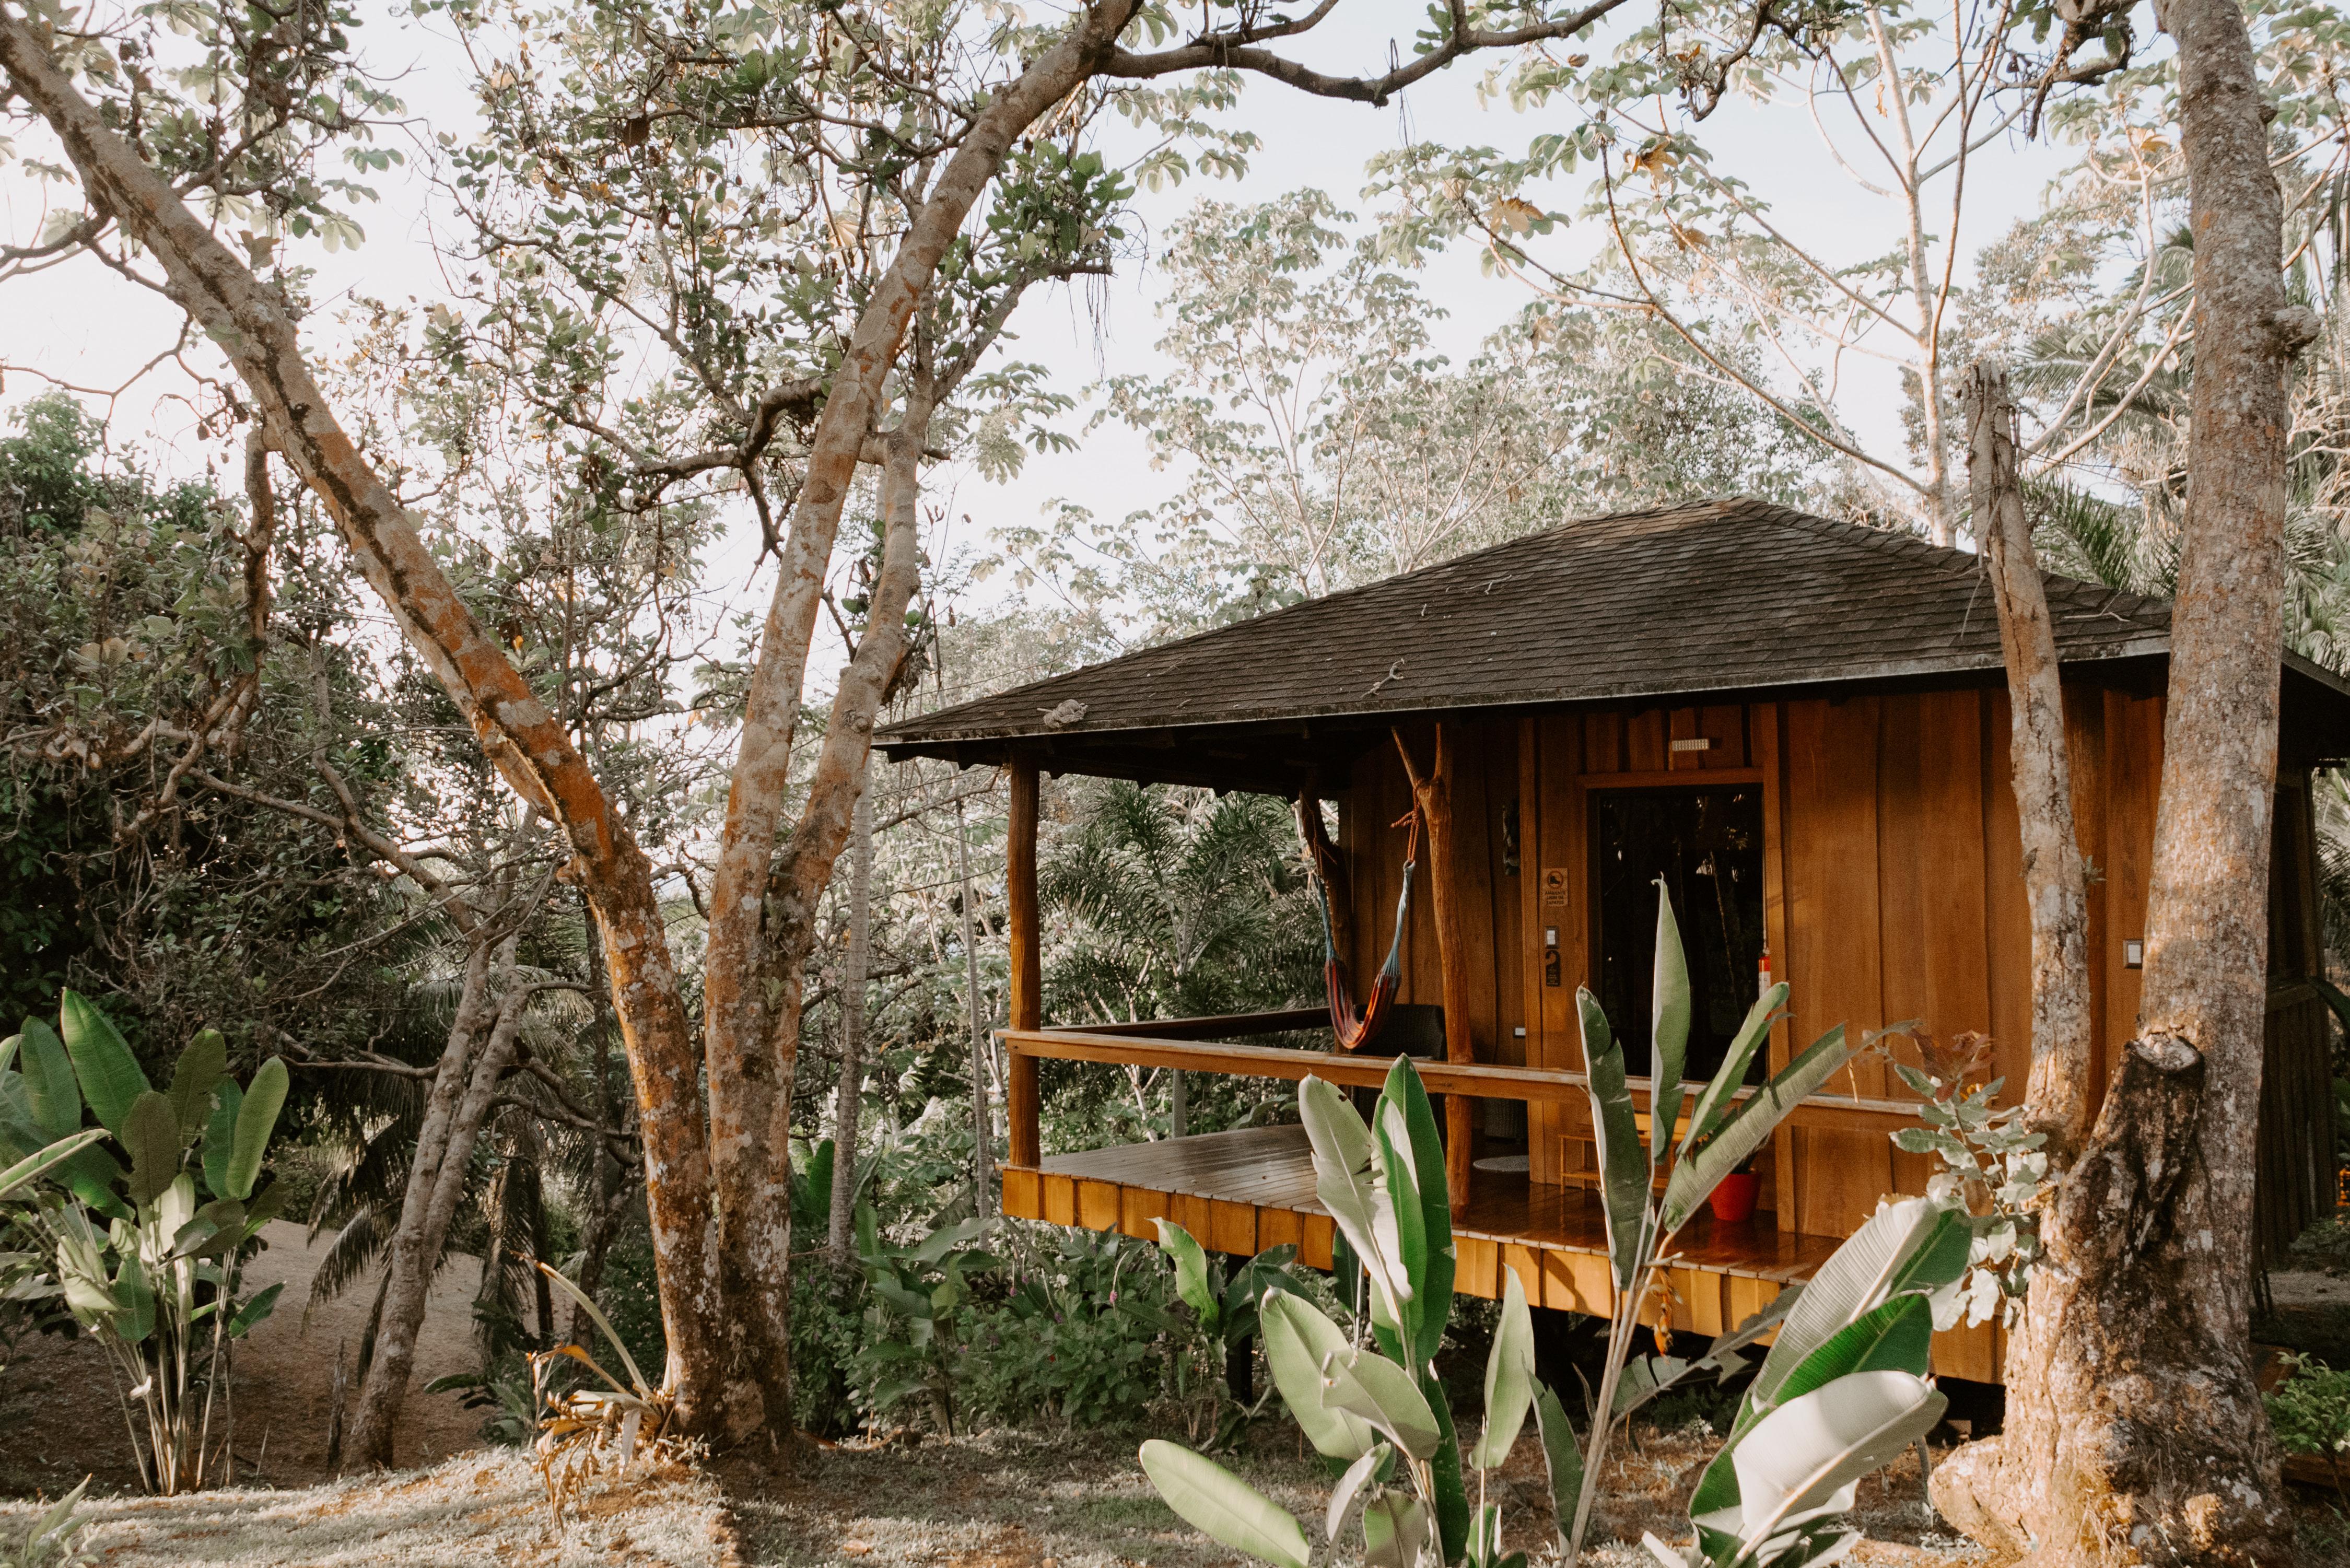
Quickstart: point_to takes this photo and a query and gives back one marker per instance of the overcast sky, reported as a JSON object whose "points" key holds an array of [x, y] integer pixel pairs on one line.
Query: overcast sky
{"points": [[84, 325]]}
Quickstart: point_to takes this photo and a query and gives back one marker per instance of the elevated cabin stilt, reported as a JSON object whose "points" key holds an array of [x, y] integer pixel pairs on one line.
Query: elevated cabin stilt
{"points": [[1799, 725]]}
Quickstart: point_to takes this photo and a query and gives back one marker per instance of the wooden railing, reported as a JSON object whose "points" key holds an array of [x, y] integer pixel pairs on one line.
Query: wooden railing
{"points": [[1178, 1045]]}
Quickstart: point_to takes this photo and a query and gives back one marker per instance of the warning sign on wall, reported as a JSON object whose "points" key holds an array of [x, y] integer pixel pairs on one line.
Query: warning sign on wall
{"points": [[1554, 887]]}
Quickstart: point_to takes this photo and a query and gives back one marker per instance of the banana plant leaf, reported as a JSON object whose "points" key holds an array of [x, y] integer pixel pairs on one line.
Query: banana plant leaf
{"points": [[1508, 1377], [54, 1099], [1368, 1385], [1862, 1271], [1624, 1167], [194, 1077], [1298, 1340], [1893, 1336], [1452, 1513], [256, 1118], [110, 1076], [1395, 1531], [1562, 1459], [1432, 1282], [1363, 1472], [1804, 1458], [1743, 1130], [1342, 1160], [1668, 1028], [24, 1172], [151, 1134], [256, 1308], [220, 1137], [1714, 1105], [1227, 1508]]}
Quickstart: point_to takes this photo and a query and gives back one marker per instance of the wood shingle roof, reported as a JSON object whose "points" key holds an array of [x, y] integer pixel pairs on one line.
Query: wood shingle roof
{"points": [[1696, 602]]}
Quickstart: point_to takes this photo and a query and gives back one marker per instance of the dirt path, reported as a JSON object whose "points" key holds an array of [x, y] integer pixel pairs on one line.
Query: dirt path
{"points": [[63, 1421]]}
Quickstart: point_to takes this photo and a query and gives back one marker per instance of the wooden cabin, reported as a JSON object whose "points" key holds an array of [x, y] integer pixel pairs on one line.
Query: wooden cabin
{"points": [[1800, 724]]}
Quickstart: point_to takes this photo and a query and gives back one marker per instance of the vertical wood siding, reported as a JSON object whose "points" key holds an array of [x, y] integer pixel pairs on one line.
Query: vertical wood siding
{"points": [[1893, 891]]}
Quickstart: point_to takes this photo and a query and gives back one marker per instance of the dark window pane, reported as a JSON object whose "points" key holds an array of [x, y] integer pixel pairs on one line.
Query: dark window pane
{"points": [[1705, 842]]}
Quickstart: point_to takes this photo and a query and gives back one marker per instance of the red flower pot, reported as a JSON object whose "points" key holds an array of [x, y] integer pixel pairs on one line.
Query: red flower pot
{"points": [[1734, 1201]]}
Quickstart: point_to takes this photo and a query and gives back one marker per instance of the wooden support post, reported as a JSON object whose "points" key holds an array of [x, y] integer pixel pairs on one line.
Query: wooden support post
{"points": [[1022, 1107], [1433, 796]]}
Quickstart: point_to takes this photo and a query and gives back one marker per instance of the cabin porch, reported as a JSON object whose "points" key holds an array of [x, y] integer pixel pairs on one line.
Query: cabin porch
{"points": [[1243, 1190]]}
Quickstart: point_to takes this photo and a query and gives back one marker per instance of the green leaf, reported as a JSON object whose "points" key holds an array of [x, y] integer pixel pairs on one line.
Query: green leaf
{"points": [[1669, 1026], [1449, 1493], [1713, 1106], [150, 1132], [1368, 1385], [1508, 1377], [1624, 1167], [1695, 1178], [134, 1302], [1859, 1274], [1342, 1180], [1192, 1281], [220, 1137], [1562, 1459], [194, 1077], [27, 1169], [1298, 1340], [53, 1097], [1939, 1259], [1894, 1337], [257, 1307], [256, 1117], [1432, 1282], [1802, 1455], [264, 1207], [1395, 1531], [1224, 1506], [109, 1075], [1358, 1476]]}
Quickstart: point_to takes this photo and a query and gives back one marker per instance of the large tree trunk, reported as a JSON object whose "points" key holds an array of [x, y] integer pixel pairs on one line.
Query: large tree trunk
{"points": [[751, 1030], [2135, 1432], [526, 742]]}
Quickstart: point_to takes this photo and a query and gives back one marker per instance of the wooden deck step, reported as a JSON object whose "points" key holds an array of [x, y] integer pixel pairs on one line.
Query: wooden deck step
{"points": [[1250, 1189]]}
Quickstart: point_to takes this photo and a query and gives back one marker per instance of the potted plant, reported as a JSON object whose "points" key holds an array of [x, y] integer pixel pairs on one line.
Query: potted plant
{"points": [[1732, 1201]]}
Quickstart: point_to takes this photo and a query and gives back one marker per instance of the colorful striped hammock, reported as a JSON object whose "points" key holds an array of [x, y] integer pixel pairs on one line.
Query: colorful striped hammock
{"points": [[1357, 1029]]}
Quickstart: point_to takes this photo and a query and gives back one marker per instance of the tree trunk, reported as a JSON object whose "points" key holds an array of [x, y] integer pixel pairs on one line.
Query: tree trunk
{"points": [[848, 1100], [524, 741], [2055, 881], [2135, 1433], [758, 1241], [459, 1101]]}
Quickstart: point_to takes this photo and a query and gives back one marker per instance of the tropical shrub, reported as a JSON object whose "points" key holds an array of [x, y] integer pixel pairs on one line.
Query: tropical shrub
{"points": [[1840, 1394], [2311, 1412], [148, 1258], [1992, 1166]]}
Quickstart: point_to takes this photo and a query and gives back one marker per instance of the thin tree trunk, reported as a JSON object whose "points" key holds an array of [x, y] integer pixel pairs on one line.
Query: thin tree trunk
{"points": [[2055, 879], [412, 1255], [848, 1099], [525, 741], [2135, 1432], [981, 1166]]}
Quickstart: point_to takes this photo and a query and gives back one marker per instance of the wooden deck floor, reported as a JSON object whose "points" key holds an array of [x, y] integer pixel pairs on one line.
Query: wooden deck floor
{"points": [[1241, 1191]]}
